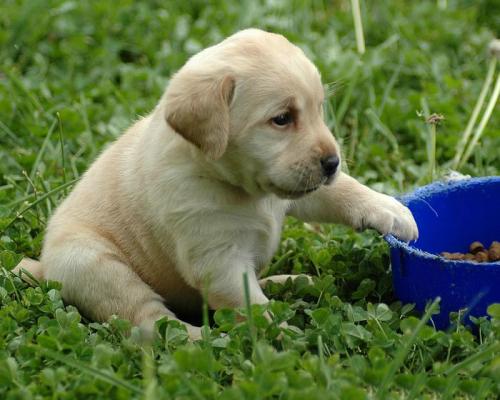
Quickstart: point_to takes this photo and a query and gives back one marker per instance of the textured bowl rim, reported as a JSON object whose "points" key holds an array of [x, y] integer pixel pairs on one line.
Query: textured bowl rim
{"points": [[420, 194]]}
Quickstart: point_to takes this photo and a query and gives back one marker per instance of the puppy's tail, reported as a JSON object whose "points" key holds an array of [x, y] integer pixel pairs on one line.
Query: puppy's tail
{"points": [[29, 269]]}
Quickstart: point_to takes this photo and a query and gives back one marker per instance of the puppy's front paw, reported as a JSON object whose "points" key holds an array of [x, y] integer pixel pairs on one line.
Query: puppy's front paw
{"points": [[387, 215]]}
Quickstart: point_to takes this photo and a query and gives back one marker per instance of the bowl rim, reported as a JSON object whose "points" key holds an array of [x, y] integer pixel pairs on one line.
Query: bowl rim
{"points": [[427, 190]]}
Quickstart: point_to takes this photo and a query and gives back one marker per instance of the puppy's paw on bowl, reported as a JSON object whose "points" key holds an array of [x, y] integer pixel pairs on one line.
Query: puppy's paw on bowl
{"points": [[389, 216]]}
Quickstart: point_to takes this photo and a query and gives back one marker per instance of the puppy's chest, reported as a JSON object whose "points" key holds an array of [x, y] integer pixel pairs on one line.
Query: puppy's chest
{"points": [[266, 239]]}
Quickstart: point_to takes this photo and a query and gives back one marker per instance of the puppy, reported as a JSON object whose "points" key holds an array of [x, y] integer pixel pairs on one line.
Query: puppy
{"points": [[194, 195]]}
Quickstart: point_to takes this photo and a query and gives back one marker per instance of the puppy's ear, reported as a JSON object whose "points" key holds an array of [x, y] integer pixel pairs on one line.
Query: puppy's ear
{"points": [[197, 107]]}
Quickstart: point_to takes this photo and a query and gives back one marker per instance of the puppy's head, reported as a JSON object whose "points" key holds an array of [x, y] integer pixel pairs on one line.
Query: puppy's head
{"points": [[253, 104]]}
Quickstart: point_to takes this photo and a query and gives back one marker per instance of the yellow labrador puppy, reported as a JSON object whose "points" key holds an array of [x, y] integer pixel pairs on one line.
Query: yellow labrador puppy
{"points": [[194, 195]]}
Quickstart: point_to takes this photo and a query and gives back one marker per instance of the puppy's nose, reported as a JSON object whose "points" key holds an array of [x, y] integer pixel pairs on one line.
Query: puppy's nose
{"points": [[329, 165]]}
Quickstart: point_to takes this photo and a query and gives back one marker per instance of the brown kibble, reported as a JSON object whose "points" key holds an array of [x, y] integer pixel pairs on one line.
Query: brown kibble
{"points": [[478, 253], [494, 251], [482, 256], [476, 247]]}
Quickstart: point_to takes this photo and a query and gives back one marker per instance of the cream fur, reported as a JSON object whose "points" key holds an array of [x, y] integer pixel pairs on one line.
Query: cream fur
{"points": [[194, 195]]}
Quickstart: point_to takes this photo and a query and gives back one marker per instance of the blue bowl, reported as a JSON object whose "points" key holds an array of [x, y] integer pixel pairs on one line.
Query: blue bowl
{"points": [[450, 216]]}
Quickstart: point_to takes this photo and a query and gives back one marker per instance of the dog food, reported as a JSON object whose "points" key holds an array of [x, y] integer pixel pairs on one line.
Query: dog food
{"points": [[477, 253]]}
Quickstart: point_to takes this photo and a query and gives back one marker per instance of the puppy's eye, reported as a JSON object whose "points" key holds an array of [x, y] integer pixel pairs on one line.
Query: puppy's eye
{"points": [[283, 119]]}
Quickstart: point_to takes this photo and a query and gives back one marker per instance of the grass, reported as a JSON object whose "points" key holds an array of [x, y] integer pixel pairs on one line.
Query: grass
{"points": [[75, 74]]}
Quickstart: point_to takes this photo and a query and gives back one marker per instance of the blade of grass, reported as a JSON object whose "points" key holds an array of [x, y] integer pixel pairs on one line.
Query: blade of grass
{"points": [[88, 131], [430, 142], [383, 129], [20, 200], [8, 275], [353, 139], [50, 203], [11, 158], [482, 355], [19, 84], [404, 349], [475, 113], [417, 386], [150, 383], [9, 133], [358, 26], [483, 123], [96, 373], [196, 393], [346, 97], [41, 152], [31, 279], [432, 153], [451, 387], [35, 192], [322, 364], [391, 138], [14, 181], [205, 329], [40, 199], [74, 169], [6, 187], [248, 307], [61, 141], [388, 88], [273, 268]]}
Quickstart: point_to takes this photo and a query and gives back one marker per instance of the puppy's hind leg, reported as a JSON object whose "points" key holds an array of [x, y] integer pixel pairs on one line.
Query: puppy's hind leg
{"points": [[96, 280], [28, 269]]}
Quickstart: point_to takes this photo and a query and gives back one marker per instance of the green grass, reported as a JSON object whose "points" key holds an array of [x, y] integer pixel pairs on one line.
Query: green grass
{"points": [[74, 74]]}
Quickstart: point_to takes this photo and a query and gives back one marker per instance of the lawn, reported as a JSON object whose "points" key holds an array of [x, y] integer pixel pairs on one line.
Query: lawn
{"points": [[74, 75]]}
